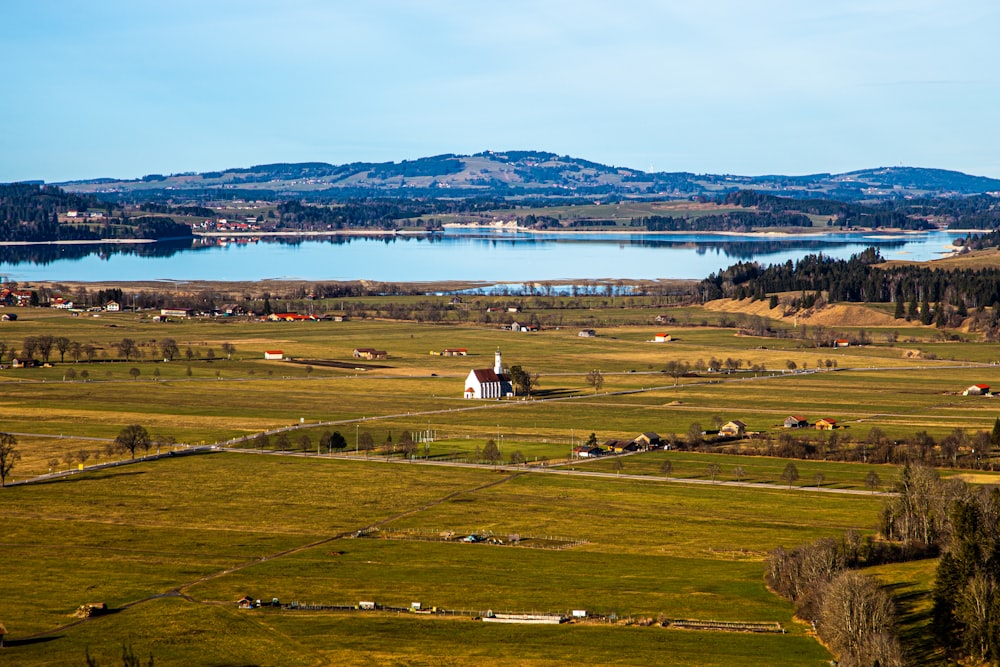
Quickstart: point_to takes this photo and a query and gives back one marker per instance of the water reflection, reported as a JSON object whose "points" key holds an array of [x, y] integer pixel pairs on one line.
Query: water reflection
{"points": [[459, 255]]}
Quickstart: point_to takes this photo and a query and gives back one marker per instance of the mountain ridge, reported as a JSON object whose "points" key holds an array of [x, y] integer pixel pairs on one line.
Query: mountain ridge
{"points": [[531, 174]]}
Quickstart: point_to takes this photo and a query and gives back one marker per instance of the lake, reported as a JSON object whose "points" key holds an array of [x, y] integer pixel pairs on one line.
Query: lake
{"points": [[453, 255]]}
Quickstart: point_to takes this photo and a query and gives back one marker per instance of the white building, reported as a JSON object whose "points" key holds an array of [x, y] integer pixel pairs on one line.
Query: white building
{"points": [[488, 382]]}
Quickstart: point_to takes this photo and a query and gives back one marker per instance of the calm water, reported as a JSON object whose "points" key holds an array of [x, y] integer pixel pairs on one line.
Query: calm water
{"points": [[454, 255]]}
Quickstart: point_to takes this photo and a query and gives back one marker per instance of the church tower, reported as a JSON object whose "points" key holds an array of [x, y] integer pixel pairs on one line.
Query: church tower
{"points": [[498, 363]]}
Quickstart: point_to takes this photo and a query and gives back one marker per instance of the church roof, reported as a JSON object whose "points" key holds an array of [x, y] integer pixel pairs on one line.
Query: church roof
{"points": [[486, 375]]}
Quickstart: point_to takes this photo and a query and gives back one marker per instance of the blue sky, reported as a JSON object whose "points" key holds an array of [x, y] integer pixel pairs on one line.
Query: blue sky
{"points": [[122, 89]]}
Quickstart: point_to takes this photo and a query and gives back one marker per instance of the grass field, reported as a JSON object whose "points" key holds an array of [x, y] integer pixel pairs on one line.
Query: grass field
{"points": [[171, 544], [649, 548]]}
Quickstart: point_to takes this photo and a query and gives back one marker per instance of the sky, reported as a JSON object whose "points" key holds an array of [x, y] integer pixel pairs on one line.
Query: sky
{"points": [[115, 88]]}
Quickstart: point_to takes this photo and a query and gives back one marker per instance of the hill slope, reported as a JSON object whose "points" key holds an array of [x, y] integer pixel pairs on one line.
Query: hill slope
{"points": [[527, 174]]}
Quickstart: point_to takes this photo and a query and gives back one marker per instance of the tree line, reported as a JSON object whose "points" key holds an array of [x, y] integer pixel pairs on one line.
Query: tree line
{"points": [[30, 212], [857, 279], [856, 617]]}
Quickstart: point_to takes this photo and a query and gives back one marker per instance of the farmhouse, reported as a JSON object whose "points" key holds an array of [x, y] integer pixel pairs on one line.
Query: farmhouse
{"points": [[370, 353], [648, 440], [621, 446], [796, 421], [21, 297], [289, 317], [488, 382], [733, 429], [112, 306], [977, 390], [21, 362], [274, 355], [585, 452], [826, 424], [454, 352]]}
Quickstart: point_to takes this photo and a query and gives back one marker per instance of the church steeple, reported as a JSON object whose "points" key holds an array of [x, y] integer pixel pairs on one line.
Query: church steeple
{"points": [[498, 363]]}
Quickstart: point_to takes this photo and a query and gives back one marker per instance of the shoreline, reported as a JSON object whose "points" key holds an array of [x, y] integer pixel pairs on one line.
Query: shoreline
{"points": [[887, 233]]}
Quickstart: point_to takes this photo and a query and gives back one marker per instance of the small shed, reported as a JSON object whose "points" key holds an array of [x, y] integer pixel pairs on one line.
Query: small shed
{"points": [[796, 421], [585, 452], [977, 390], [370, 353], [841, 342], [274, 355], [826, 424], [587, 333], [662, 338]]}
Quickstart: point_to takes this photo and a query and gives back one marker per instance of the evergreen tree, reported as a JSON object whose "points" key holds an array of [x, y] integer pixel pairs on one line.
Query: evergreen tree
{"points": [[940, 319], [926, 317]]}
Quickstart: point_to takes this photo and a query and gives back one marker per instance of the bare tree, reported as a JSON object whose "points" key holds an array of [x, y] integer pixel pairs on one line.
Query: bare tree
{"points": [[666, 467], [858, 622], [8, 455], [45, 344], [283, 443], [790, 474], [169, 349], [872, 481], [739, 472], [694, 435], [367, 443], [29, 346], [228, 349], [127, 348], [712, 470], [132, 437], [595, 379], [62, 344], [676, 369]]}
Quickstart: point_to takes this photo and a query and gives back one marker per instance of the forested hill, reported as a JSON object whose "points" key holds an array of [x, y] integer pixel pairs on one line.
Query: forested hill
{"points": [[932, 296], [35, 213], [522, 174]]}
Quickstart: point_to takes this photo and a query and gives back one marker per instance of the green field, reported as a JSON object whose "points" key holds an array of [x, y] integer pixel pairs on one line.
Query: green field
{"points": [[171, 544], [648, 548]]}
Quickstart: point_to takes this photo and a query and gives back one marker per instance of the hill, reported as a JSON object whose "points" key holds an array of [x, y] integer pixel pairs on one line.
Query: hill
{"points": [[525, 174]]}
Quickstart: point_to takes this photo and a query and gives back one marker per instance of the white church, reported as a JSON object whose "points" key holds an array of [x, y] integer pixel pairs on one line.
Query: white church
{"points": [[489, 382]]}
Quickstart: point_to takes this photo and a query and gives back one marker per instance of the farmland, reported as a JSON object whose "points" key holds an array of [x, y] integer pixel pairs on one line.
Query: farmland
{"points": [[170, 544]]}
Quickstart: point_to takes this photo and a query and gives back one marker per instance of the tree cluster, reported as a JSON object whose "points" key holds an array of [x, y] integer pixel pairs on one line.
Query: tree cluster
{"points": [[858, 280], [853, 614]]}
